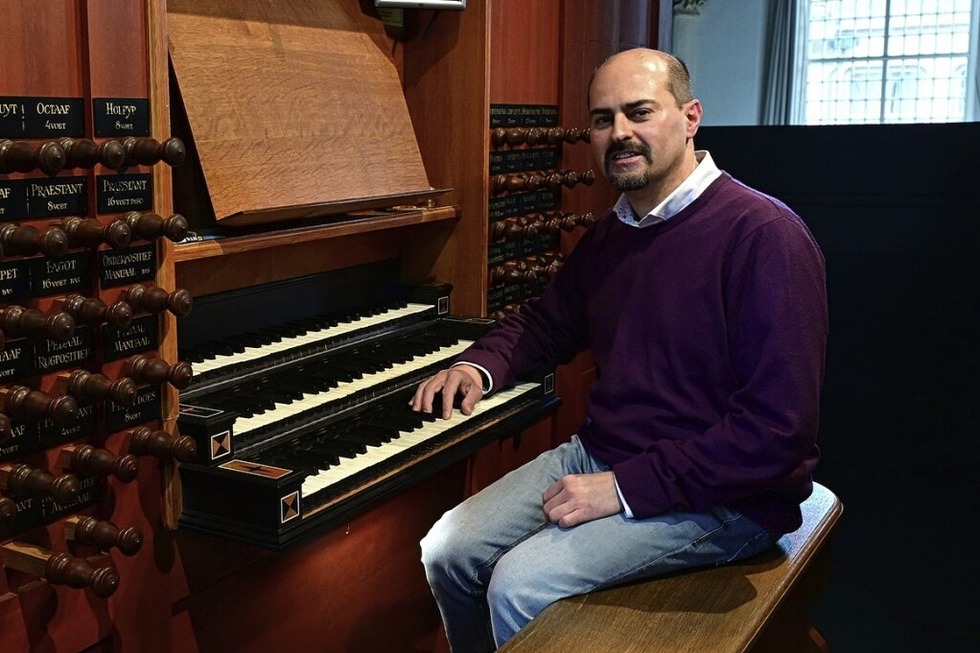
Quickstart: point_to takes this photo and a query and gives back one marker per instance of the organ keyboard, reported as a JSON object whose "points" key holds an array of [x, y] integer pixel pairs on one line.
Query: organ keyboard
{"points": [[265, 347], [299, 426]]}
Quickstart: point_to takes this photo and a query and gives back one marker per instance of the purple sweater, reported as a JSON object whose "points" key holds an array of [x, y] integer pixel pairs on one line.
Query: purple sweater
{"points": [[709, 333]]}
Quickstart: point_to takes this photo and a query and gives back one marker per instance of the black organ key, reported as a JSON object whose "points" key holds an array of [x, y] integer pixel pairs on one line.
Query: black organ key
{"points": [[342, 448], [362, 438], [291, 459]]}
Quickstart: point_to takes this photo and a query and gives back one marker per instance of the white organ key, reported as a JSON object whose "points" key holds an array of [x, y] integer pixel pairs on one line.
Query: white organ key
{"points": [[315, 400], [253, 353], [407, 440]]}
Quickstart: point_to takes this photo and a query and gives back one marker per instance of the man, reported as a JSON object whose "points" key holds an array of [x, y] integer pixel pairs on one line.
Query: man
{"points": [[704, 304]]}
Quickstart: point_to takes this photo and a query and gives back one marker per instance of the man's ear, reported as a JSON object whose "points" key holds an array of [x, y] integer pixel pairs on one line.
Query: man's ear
{"points": [[693, 112]]}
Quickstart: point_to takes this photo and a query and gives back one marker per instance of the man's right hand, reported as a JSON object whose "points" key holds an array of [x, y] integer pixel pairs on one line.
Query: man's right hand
{"points": [[463, 380]]}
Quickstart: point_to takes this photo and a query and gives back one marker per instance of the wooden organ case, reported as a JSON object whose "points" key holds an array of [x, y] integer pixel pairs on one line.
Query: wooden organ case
{"points": [[206, 201], [85, 154]]}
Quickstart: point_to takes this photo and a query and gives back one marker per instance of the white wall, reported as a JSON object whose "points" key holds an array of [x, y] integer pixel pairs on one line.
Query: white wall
{"points": [[723, 48]]}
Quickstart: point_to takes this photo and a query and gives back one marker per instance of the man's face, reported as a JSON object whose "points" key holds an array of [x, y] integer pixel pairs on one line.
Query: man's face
{"points": [[638, 133]]}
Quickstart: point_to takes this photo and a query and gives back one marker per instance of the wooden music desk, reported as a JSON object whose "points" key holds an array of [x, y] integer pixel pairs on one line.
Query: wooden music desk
{"points": [[758, 605]]}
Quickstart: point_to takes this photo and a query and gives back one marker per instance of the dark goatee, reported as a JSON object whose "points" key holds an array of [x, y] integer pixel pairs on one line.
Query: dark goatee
{"points": [[627, 181]]}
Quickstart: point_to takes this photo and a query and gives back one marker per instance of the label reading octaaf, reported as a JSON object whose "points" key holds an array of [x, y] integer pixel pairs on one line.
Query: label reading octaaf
{"points": [[120, 267], [119, 193], [41, 117], [22, 439], [16, 360]]}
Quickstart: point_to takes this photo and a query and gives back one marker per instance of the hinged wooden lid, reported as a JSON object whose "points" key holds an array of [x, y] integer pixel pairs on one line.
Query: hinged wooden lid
{"points": [[293, 108]]}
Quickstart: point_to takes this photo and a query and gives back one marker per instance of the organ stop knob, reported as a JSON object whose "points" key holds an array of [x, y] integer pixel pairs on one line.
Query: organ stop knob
{"points": [[60, 568], [154, 371], [147, 151], [156, 300], [24, 480], [18, 321], [87, 460], [20, 402], [92, 310], [144, 441], [89, 232], [17, 156], [103, 534], [26, 240], [83, 153], [150, 225]]}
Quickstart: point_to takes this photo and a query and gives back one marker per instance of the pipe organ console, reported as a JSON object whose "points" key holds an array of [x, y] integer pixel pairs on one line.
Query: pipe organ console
{"points": [[301, 422], [217, 295]]}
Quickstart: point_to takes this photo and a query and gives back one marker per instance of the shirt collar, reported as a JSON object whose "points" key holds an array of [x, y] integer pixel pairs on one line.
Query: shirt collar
{"points": [[689, 190]]}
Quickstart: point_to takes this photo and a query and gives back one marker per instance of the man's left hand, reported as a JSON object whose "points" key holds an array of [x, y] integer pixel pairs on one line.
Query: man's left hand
{"points": [[578, 498]]}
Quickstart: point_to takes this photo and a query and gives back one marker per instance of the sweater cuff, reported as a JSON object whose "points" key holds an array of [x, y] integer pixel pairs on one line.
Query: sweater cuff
{"points": [[487, 379], [627, 512], [640, 486]]}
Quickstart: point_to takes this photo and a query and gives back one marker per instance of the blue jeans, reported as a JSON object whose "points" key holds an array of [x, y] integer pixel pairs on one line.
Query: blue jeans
{"points": [[494, 562]]}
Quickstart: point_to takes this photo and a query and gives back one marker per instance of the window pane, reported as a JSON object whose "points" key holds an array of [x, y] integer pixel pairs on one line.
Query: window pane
{"points": [[886, 60]]}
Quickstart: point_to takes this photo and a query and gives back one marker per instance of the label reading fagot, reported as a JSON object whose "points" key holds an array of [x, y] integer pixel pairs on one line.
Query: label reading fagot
{"points": [[121, 116], [84, 424], [41, 117], [143, 334], [12, 201], [117, 193], [120, 267], [523, 115], [146, 408], [15, 360], [50, 355], [51, 198], [15, 280], [69, 273]]}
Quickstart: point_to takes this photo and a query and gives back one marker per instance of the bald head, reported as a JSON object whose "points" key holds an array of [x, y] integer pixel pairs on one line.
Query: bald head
{"points": [[643, 119], [678, 79]]}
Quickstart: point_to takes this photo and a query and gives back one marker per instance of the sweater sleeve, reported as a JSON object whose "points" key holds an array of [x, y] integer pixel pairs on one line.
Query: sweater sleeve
{"points": [[765, 440], [550, 329]]}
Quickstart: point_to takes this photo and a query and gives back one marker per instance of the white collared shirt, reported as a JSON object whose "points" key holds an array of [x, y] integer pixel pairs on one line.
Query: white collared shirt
{"points": [[689, 190]]}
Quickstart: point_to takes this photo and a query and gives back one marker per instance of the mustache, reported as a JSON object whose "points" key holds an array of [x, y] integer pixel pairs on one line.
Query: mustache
{"points": [[628, 147]]}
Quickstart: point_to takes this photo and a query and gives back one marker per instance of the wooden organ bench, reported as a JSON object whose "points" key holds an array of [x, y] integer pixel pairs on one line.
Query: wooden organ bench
{"points": [[758, 605]]}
